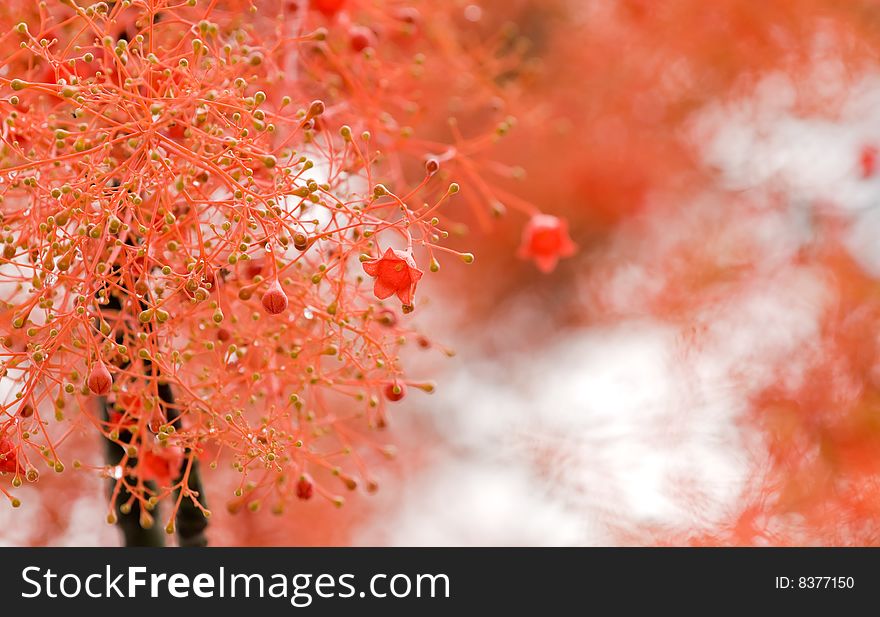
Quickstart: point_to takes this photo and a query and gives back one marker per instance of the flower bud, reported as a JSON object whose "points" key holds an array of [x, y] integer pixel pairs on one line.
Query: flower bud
{"points": [[305, 488], [361, 37], [315, 109], [100, 379], [395, 391], [300, 241]]}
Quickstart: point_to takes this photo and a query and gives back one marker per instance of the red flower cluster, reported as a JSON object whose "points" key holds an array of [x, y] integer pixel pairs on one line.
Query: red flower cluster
{"points": [[185, 192]]}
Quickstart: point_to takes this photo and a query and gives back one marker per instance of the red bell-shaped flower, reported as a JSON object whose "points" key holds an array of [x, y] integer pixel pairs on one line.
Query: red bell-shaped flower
{"points": [[395, 273]]}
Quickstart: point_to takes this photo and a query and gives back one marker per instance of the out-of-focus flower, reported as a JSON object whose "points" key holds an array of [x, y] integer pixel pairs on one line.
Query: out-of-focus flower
{"points": [[868, 161], [545, 240], [327, 7], [8, 457], [361, 37], [163, 466], [305, 487]]}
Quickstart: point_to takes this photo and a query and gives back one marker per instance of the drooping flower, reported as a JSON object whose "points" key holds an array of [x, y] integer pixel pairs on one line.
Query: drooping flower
{"points": [[545, 240], [395, 273]]}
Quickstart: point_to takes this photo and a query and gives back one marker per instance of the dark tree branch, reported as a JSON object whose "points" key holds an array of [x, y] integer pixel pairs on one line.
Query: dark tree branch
{"points": [[129, 523], [190, 522]]}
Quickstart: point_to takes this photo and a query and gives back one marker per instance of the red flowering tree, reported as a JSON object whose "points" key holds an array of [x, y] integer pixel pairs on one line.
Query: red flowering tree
{"points": [[192, 195]]}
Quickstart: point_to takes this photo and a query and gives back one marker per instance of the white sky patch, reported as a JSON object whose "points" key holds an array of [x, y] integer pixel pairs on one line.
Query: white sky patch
{"points": [[765, 143]]}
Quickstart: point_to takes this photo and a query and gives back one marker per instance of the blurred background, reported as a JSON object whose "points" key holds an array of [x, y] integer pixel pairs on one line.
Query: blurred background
{"points": [[705, 369]]}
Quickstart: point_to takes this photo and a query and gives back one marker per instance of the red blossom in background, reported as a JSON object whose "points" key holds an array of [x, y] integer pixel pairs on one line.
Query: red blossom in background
{"points": [[162, 466], [361, 37], [546, 240], [327, 7], [8, 458], [868, 161], [305, 488]]}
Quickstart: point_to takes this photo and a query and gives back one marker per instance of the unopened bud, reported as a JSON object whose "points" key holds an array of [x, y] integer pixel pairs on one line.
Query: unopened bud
{"points": [[274, 300]]}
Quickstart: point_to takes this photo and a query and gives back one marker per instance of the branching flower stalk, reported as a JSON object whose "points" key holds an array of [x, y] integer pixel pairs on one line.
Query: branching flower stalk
{"points": [[199, 200]]}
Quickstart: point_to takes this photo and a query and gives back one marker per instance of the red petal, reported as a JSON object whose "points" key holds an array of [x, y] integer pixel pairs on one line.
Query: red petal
{"points": [[371, 267], [406, 295], [546, 264], [382, 290]]}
